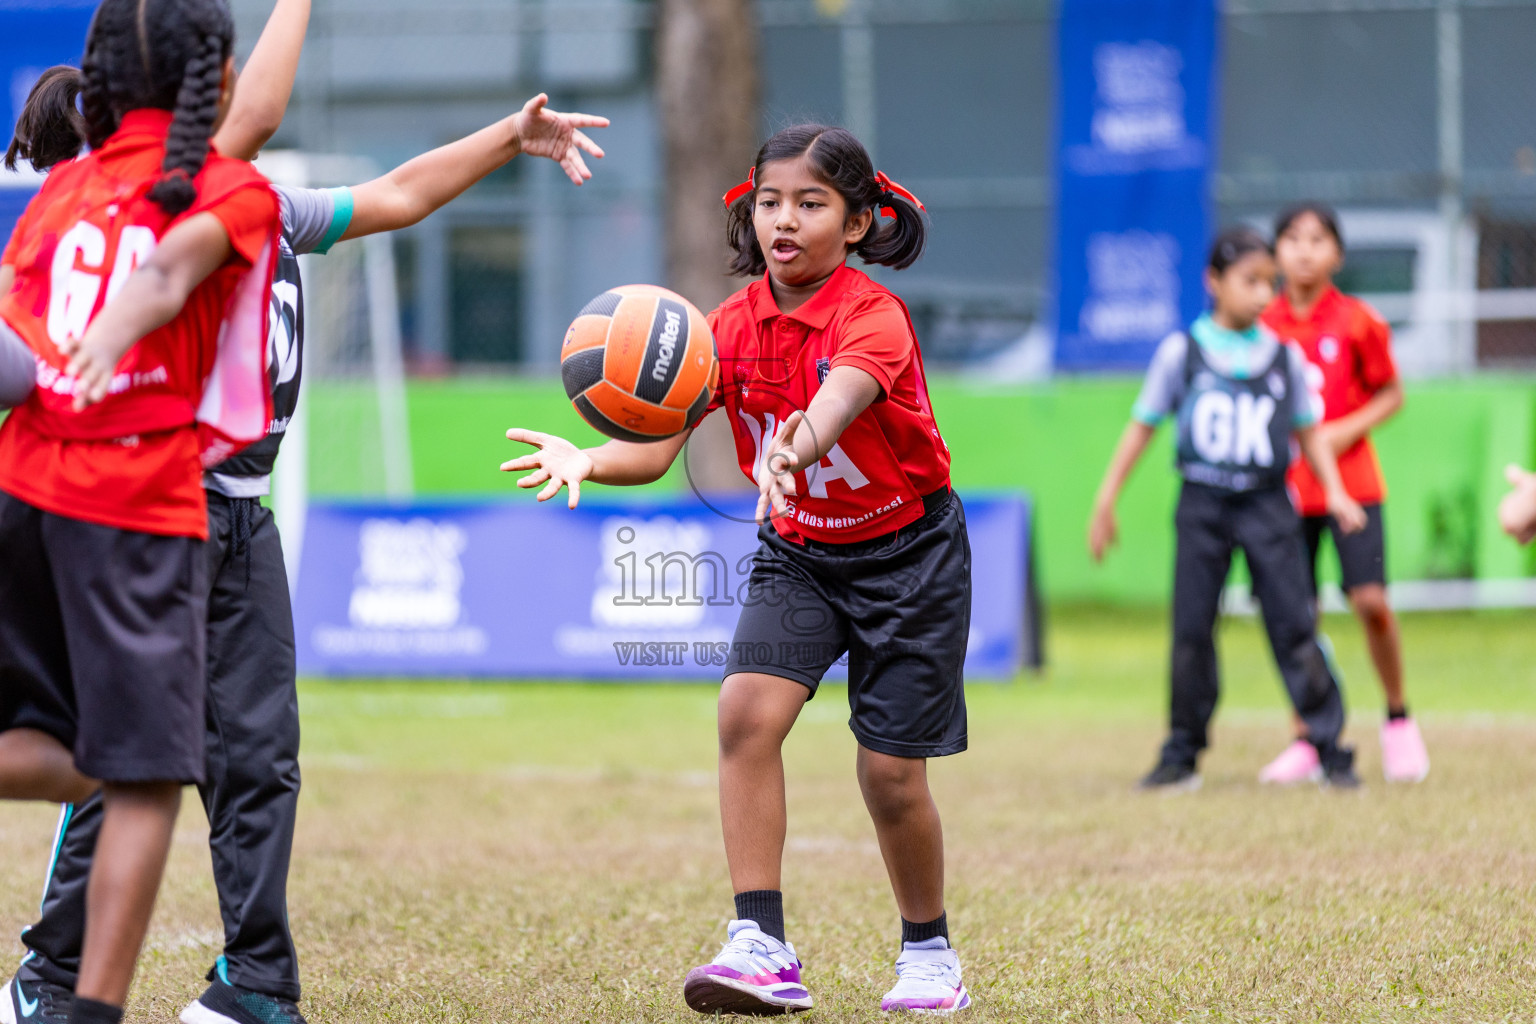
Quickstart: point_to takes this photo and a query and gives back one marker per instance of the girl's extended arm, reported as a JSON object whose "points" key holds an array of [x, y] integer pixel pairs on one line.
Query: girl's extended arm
{"points": [[558, 463], [1345, 432], [1344, 509], [1102, 528], [266, 82], [806, 437], [151, 297], [418, 187]]}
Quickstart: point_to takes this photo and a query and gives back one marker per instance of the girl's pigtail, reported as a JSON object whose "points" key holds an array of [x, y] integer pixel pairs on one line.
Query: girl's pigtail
{"points": [[901, 242], [197, 108], [747, 259], [50, 129], [103, 72], [96, 101]]}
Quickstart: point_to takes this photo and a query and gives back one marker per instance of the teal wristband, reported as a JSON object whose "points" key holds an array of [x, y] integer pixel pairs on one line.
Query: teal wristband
{"points": [[341, 219]]}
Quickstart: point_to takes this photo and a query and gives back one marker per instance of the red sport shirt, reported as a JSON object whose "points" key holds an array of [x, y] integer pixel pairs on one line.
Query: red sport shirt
{"points": [[874, 478], [1349, 349], [134, 461]]}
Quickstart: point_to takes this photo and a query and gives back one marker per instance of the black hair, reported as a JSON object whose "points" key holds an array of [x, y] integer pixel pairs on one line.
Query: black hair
{"points": [[166, 54], [51, 128], [1232, 244], [840, 160], [1325, 214]]}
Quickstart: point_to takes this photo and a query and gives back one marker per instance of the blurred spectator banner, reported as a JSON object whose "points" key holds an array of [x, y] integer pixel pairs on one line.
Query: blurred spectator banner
{"points": [[34, 36], [1136, 123], [641, 591], [14, 197]]}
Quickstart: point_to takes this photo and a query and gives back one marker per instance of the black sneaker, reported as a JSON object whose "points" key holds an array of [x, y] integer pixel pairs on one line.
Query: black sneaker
{"points": [[1339, 769], [35, 1002], [1341, 776], [1171, 777], [231, 1004]]}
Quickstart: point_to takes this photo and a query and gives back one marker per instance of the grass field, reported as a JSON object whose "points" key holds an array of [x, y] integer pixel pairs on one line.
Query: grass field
{"points": [[546, 852]]}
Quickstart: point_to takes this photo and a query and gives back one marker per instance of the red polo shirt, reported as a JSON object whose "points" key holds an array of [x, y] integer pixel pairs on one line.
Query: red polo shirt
{"points": [[1349, 350], [874, 478]]}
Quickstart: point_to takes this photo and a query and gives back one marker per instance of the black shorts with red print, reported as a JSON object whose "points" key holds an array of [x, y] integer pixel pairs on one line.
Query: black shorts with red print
{"points": [[898, 605]]}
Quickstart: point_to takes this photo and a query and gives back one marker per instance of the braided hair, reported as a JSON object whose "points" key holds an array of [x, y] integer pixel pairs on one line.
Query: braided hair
{"points": [[165, 54], [838, 159]]}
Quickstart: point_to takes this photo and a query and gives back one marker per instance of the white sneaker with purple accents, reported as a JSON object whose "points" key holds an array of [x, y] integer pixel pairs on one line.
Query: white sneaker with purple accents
{"points": [[927, 979], [754, 973]]}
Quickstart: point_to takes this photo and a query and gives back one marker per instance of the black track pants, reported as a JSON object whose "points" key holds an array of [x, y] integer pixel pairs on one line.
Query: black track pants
{"points": [[1211, 523]]}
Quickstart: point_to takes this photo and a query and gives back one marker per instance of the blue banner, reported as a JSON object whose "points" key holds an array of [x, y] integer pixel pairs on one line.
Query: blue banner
{"points": [[16, 191], [1136, 144], [632, 592], [34, 36]]}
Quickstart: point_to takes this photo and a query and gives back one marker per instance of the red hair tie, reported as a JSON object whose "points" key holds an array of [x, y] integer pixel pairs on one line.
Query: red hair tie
{"points": [[889, 187], [742, 189]]}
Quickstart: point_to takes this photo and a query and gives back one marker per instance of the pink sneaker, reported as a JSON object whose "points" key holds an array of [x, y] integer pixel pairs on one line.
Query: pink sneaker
{"points": [[1403, 757], [1297, 763]]}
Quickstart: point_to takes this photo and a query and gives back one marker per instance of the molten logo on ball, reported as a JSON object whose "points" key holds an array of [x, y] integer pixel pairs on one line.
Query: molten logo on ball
{"points": [[639, 363], [668, 344]]}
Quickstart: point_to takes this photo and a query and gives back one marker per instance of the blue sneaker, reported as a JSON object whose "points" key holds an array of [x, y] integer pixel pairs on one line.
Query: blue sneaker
{"points": [[35, 1002], [223, 1003]]}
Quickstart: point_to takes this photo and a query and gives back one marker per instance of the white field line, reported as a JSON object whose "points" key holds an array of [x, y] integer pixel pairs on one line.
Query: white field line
{"points": [[1412, 596], [187, 938]]}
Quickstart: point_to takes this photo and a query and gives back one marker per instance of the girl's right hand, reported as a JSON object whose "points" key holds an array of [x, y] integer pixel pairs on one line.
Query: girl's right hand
{"points": [[1103, 531], [1517, 512], [557, 461], [1346, 511]]}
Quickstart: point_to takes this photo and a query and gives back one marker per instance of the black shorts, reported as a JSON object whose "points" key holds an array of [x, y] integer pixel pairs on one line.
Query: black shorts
{"points": [[1362, 555], [102, 643], [898, 605]]}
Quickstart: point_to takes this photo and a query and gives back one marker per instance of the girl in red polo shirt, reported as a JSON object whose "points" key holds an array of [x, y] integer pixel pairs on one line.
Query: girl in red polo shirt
{"points": [[863, 551], [102, 576], [1348, 348]]}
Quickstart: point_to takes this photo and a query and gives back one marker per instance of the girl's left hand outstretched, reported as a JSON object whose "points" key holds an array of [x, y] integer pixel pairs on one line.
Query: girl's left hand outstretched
{"points": [[549, 133], [557, 461], [1346, 511], [776, 475]]}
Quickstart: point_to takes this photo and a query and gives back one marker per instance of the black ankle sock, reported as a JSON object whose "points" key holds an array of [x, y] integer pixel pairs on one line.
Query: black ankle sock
{"points": [[766, 907], [937, 928], [1398, 715], [89, 1011]]}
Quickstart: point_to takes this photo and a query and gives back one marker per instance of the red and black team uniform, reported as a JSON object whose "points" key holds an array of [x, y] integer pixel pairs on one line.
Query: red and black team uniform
{"points": [[103, 581], [872, 558], [1349, 351]]}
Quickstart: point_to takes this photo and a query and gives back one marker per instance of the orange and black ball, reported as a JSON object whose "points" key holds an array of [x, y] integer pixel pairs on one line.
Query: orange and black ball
{"points": [[639, 363]]}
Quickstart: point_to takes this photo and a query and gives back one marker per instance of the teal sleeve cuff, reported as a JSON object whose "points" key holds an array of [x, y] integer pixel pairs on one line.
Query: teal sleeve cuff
{"points": [[341, 219], [1304, 419], [1147, 416]]}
